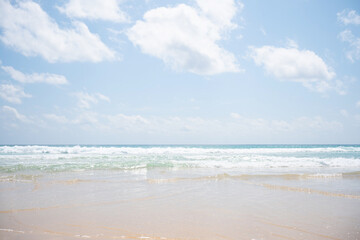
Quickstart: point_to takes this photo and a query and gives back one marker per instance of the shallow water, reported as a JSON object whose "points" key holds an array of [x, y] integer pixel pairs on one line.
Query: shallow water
{"points": [[182, 192]]}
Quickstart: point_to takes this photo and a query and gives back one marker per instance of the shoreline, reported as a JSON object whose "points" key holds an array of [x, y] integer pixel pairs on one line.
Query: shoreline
{"points": [[152, 205]]}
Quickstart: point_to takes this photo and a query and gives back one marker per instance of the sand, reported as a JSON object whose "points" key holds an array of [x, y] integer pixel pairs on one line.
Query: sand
{"points": [[179, 204]]}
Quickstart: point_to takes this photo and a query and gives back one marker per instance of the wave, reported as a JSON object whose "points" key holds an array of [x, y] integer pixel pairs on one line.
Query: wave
{"points": [[287, 176], [123, 164], [191, 149], [81, 158]]}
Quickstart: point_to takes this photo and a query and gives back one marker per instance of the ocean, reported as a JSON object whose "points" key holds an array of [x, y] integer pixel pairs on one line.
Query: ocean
{"points": [[318, 158], [180, 191]]}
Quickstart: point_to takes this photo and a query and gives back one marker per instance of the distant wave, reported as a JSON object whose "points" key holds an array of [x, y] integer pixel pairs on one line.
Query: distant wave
{"points": [[77, 149], [81, 158]]}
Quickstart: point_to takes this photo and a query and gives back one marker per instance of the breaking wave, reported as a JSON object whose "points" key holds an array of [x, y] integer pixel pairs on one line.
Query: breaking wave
{"points": [[81, 158]]}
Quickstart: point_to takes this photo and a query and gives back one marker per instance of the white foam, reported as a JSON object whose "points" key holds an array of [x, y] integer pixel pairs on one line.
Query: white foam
{"points": [[80, 158], [324, 175], [10, 230], [101, 150]]}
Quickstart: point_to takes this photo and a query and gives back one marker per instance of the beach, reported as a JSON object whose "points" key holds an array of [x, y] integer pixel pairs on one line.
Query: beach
{"points": [[179, 120], [180, 192]]}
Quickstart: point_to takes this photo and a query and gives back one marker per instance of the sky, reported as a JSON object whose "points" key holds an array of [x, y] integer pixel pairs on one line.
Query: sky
{"points": [[179, 72]]}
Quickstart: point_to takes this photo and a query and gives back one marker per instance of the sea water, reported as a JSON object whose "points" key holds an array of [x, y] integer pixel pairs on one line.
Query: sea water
{"points": [[264, 157], [180, 192]]}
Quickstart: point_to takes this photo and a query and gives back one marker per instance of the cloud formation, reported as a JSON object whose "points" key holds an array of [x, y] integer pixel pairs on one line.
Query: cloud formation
{"points": [[236, 128], [348, 17], [292, 64], [354, 44], [12, 93], [48, 78], [186, 38], [85, 100], [56, 118], [29, 30], [16, 114], [300, 124], [108, 10]]}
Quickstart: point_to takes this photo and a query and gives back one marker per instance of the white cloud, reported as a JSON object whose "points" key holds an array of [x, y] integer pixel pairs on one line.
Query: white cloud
{"points": [[102, 97], [16, 114], [48, 78], [197, 129], [56, 118], [30, 31], [349, 17], [354, 42], [237, 125], [291, 43], [299, 125], [219, 12], [87, 118], [344, 113], [12, 93], [85, 100], [129, 122], [108, 10], [262, 30], [175, 129], [185, 37], [258, 123], [235, 115], [358, 104], [303, 66]]}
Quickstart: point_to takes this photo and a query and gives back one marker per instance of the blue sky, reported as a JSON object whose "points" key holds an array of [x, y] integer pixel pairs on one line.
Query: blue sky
{"points": [[179, 72]]}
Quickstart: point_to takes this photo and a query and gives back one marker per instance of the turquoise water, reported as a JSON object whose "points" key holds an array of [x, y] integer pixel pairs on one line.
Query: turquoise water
{"points": [[59, 158]]}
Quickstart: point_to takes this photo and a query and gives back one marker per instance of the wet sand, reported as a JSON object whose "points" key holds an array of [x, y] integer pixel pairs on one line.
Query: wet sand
{"points": [[179, 204]]}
